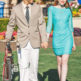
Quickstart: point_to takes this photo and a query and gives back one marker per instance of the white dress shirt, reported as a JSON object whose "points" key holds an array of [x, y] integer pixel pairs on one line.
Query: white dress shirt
{"points": [[24, 8]]}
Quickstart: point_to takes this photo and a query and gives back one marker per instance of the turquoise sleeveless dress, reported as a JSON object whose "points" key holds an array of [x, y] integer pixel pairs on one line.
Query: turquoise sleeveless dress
{"points": [[60, 20]]}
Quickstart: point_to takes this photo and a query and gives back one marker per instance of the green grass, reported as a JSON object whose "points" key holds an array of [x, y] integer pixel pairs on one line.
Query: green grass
{"points": [[48, 66]]}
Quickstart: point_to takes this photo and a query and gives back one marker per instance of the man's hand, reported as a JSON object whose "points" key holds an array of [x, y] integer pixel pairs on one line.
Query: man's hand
{"points": [[44, 44]]}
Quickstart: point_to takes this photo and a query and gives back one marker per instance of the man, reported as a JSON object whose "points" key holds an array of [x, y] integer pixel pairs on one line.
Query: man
{"points": [[31, 34]]}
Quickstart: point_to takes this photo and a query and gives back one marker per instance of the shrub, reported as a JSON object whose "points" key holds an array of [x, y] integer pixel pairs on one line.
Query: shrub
{"points": [[3, 24]]}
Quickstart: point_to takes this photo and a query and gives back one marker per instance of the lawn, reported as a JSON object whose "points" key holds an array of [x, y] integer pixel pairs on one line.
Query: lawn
{"points": [[48, 66]]}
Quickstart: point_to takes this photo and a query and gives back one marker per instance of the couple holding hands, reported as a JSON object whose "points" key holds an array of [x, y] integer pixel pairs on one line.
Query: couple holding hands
{"points": [[33, 33]]}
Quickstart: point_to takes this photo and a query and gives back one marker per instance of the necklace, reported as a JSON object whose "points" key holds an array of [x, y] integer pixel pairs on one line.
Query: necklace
{"points": [[62, 6]]}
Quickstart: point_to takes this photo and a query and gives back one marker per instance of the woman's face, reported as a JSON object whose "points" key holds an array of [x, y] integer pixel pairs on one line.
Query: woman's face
{"points": [[62, 2]]}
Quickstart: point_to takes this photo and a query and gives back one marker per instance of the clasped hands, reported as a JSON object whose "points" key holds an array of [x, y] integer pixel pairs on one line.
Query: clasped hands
{"points": [[44, 45]]}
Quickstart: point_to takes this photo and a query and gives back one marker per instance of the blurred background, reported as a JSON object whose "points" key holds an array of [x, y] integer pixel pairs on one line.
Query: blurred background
{"points": [[48, 67]]}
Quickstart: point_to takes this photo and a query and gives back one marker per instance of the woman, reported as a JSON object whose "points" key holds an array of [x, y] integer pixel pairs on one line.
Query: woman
{"points": [[60, 17]]}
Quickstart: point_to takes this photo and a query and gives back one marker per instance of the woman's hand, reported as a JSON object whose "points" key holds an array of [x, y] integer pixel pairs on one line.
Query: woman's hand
{"points": [[44, 45], [74, 47]]}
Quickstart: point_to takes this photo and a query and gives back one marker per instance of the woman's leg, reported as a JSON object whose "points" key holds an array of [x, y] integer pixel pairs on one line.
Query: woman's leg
{"points": [[65, 58], [59, 62]]}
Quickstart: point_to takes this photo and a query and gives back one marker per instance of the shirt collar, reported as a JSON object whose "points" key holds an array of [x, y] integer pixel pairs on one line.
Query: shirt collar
{"points": [[24, 5]]}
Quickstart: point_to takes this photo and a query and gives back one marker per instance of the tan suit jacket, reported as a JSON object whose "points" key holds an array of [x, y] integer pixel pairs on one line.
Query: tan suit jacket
{"points": [[34, 31]]}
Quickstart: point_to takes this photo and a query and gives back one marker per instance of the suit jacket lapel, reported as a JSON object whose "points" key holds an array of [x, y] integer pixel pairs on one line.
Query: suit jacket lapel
{"points": [[22, 14], [32, 12]]}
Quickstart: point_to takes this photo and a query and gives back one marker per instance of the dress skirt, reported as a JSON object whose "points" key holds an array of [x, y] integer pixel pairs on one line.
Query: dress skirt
{"points": [[62, 44]]}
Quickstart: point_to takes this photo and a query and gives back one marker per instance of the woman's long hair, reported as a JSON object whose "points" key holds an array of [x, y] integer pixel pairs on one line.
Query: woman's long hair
{"points": [[66, 4]]}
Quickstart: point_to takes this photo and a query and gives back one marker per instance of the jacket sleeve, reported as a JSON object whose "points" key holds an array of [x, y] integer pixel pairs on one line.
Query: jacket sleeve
{"points": [[11, 25], [42, 27]]}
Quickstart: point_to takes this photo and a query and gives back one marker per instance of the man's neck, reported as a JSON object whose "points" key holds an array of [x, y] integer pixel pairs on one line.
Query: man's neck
{"points": [[25, 2]]}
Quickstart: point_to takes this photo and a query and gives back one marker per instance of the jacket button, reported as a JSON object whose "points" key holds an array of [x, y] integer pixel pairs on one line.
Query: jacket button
{"points": [[28, 33]]}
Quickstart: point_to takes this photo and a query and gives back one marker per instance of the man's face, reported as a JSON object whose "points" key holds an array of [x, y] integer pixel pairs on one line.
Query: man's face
{"points": [[29, 1]]}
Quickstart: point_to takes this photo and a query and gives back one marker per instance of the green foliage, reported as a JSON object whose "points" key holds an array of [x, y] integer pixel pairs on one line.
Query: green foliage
{"points": [[4, 23], [75, 9], [79, 7], [46, 18]]}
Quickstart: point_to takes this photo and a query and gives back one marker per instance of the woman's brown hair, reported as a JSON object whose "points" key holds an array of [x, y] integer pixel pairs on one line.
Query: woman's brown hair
{"points": [[66, 4]]}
